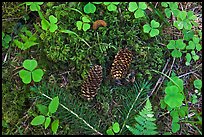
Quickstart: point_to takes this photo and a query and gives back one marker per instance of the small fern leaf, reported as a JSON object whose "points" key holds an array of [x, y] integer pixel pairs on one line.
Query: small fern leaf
{"points": [[144, 122]]}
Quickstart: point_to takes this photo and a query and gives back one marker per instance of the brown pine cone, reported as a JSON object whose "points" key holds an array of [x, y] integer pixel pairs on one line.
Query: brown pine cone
{"points": [[92, 83], [121, 64]]}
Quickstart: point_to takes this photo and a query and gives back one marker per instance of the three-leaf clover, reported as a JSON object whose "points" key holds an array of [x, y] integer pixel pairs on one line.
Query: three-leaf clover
{"points": [[51, 25], [177, 46], [111, 5], [194, 44], [138, 10], [34, 6], [152, 28], [170, 7], [90, 7], [30, 73], [5, 40], [84, 24], [197, 84], [184, 20]]}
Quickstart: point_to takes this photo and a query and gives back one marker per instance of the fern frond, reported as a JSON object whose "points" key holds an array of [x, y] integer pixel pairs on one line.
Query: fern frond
{"points": [[144, 122]]}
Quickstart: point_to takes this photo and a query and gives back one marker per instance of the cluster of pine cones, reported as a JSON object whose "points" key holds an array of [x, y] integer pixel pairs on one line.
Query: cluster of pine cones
{"points": [[119, 70]]}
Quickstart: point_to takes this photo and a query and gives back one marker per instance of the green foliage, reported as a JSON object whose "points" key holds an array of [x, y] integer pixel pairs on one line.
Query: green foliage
{"points": [[138, 9], [46, 117], [185, 20], [152, 28], [145, 122], [111, 6], [84, 24], [198, 84], [51, 25], [177, 46], [170, 8], [26, 75], [5, 40], [28, 39], [114, 129], [34, 6]]}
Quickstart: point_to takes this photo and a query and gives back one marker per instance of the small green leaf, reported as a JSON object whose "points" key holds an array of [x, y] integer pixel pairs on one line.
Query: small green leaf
{"points": [[171, 44], [191, 15], [42, 108], [37, 75], [154, 32], [45, 24], [7, 38], [178, 24], [52, 19], [188, 58], [38, 120], [52, 108], [55, 125], [180, 44], [187, 24], [142, 5], [53, 27], [132, 6], [146, 28], [139, 13], [79, 25], [162, 104], [164, 4], [173, 5], [25, 76], [30, 64], [197, 84], [182, 15], [116, 127], [110, 132], [191, 45], [195, 57], [106, 3], [154, 24], [175, 127], [175, 116], [47, 122], [86, 26], [85, 19], [112, 7], [176, 53], [89, 8], [167, 12], [198, 47]]}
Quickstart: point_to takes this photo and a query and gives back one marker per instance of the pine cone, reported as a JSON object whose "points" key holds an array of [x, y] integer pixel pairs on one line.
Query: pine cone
{"points": [[121, 64], [92, 83]]}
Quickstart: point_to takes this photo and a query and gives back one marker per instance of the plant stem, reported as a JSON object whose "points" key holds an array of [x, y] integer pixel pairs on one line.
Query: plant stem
{"points": [[75, 115], [130, 111]]}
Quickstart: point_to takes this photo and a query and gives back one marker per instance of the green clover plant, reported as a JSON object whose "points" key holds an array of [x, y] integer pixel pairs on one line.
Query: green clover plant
{"points": [[26, 39], [30, 73], [170, 8], [115, 128], [198, 84], [185, 20], [152, 28], [173, 101], [6, 39], [137, 9], [90, 7], [51, 25], [111, 5], [177, 46], [46, 115], [84, 24], [192, 45], [187, 34], [34, 5]]}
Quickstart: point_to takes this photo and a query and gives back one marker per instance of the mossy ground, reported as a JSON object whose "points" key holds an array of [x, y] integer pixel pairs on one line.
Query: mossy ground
{"points": [[66, 61]]}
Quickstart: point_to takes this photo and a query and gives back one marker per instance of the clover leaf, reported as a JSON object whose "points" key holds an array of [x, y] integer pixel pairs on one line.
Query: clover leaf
{"points": [[137, 9], [111, 5], [170, 7], [173, 97], [84, 24], [177, 46], [185, 20], [188, 59], [5, 40], [26, 75], [51, 25], [89, 8], [152, 30], [34, 6], [197, 84]]}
